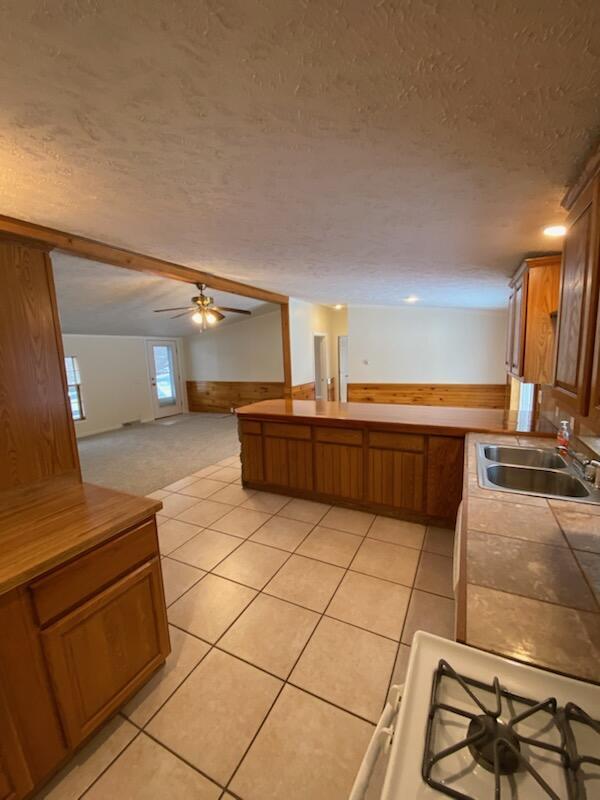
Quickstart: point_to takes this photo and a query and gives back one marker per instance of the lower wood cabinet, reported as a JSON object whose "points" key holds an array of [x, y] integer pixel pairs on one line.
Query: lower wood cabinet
{"points": [[76, 644], [339, 469], [404, 474], [101, 652], [396, 479]]}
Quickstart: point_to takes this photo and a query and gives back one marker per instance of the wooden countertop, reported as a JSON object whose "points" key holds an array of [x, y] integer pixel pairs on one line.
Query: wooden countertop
{"points": [[43, 526], [434, 419], [530, 567]]}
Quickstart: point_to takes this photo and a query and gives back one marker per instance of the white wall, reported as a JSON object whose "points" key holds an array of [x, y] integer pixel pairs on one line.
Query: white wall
{"points": [[114, 380], [425, 345], [306, 319], [249, 350]]}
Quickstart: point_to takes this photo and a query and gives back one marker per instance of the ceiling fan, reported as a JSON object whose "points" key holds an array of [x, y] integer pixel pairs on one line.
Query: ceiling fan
{"points": [[203, 310]]}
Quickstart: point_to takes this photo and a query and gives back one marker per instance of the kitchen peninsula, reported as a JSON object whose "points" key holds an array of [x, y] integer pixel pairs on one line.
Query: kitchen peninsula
{"points": [[403, 461]]}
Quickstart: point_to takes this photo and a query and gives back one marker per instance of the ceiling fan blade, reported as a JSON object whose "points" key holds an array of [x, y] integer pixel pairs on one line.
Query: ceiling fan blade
{"points": [[217, 313], [234, 310], [189, 311], [179, 308]]}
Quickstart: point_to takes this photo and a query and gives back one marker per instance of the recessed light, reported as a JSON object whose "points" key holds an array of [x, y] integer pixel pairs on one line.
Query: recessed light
{"points": [[412, 298], [338, 306], [555, 230]]}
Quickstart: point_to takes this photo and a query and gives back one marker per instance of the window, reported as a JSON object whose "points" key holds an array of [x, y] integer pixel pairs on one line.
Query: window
{"points": [[74, 387]]}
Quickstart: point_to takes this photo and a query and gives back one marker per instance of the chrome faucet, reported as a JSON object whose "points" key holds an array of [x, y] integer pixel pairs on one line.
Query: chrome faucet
{"points": [[588, 468]]}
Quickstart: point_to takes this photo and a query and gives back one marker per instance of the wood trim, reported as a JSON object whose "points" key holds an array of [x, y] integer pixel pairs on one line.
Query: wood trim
{"points": [[589, 171], [37, 437], [222, 396], [304, 391], [286, 348], [465, 395], [129, 259]]}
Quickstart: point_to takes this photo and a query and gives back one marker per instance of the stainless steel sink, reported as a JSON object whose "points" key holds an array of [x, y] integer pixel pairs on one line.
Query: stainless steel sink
{"points": [[531, 470], [524, 456], [536, 481]]}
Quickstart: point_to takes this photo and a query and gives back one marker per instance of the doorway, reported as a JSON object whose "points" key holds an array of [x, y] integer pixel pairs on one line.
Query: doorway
{"points": [[343, 368], [320, 348], [163, 367]]}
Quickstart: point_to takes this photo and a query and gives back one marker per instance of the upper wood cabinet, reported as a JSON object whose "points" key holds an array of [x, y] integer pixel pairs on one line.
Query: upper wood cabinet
{"points": [[532, 312], [577, 318]]}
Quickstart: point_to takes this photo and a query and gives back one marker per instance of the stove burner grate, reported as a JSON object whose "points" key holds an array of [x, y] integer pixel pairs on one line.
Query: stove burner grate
{"points": [[496, 745]]}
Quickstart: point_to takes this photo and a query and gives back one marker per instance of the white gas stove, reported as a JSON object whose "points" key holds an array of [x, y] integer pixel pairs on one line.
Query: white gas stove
{"points": [[473, 726]]}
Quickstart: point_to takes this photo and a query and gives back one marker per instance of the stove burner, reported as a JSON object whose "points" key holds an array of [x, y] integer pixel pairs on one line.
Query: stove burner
{"points": [[497, 745], [495, 741]]}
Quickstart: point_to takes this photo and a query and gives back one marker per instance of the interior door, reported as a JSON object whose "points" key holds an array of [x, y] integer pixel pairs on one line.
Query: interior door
{"points": [[163, 366], [343, 367]]}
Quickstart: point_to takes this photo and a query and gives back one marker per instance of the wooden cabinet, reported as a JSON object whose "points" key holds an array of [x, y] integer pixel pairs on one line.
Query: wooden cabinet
{"points": [[397, 470], [15, 778], [288, 455], [101, 652], [531, 319], [410, 475], [339, 462], [578, 306], [76, 644]]}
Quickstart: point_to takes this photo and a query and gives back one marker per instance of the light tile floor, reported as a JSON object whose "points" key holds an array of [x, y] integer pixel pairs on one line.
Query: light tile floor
{"points": [[289, 621]]}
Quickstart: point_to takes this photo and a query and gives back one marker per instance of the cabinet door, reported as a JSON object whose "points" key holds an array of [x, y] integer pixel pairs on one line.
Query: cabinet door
{"points": [[445, 456], [578, 305], [105, 649], [339, 470], [396, 478], [518, 327], [509, 332], [252, 457], [288, 463]]}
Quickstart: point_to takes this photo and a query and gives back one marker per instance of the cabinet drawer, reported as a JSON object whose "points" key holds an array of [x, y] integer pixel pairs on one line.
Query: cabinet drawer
{"points": [[397, 441], [61, 590], [338, 435], [249, 426], [287, 431], [102, 652]]}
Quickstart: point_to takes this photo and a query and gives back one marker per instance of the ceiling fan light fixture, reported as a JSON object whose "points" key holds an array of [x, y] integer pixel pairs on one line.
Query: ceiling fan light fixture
{"points": [[197, 318], [211, 318]]}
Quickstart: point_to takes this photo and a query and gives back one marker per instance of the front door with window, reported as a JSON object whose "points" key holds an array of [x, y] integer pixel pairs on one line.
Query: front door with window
{"points": [[164, 377]]}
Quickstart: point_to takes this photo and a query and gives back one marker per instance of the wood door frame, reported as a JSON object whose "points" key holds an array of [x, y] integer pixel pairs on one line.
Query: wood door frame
{"points": [[340, 382], [149, 341], [53, 239], [324, 366]]}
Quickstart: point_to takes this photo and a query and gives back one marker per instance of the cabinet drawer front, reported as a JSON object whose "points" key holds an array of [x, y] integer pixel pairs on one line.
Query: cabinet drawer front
{"points": [[76, 582], [287, 431], [397, 441], [104, 650], [338, 435], [249, 426]]}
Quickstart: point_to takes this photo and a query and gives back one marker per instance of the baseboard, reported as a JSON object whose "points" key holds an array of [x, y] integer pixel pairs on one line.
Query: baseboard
{"points": [[465, 395], [222, 396]]}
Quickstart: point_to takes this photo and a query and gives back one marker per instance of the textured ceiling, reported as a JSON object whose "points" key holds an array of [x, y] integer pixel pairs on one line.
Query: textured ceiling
{"points": [[335, 150], [95, 298]]}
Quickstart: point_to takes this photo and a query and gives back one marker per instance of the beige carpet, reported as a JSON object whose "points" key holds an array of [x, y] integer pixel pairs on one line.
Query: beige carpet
{"points": [[142, 458]]}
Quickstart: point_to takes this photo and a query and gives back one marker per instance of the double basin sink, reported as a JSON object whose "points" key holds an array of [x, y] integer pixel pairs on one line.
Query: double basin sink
{"points": [[531, 470]]}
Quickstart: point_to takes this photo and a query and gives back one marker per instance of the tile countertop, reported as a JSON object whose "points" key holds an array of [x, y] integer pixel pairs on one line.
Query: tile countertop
{"points": [[530, 574]]}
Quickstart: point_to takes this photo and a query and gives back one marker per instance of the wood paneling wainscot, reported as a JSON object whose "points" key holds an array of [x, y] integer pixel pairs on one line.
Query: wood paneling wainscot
{"points": [[303, 391], [37, 437], [222, 396], [466, 395]]}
